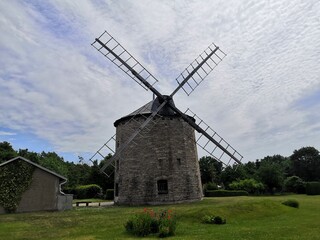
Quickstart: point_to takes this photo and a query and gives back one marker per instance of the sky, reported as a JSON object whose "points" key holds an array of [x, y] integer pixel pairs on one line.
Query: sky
{"points": [[57, 93]]}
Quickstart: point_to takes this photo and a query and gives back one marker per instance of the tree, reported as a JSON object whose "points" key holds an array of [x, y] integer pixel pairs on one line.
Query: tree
{"points": [[32, 156], [6, 152], [282, 162], [108, 181], [100, 178], [306, 163], [250, 168], [54, 162], [232, 173], [78, 174], [210, 169], [271, 175]]}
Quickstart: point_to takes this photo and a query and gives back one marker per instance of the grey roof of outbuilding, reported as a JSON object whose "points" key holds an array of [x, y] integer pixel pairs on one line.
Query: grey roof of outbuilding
{"points": [[34, 164]]}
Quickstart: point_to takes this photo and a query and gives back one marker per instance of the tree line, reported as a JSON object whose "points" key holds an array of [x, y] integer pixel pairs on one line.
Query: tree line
{"points": [[269, 174]]}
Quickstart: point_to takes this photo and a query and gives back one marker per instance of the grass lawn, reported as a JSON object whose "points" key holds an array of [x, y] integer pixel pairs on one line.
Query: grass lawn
{"points": [[247, 218]]}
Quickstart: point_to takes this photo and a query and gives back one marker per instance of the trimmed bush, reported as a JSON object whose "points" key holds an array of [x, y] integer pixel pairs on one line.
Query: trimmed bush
{"points": [[313, 188], [226, 193], [110, 194], [219, 220], [291, 203], [88, 191], [294, 184], [209, 219]]}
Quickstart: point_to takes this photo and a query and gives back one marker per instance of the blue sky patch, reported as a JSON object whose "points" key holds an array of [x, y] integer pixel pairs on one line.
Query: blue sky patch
{"points": [[309, 101]]}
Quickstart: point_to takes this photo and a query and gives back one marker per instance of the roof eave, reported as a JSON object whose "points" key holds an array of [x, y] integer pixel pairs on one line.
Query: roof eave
{"points": [[36, 165]]}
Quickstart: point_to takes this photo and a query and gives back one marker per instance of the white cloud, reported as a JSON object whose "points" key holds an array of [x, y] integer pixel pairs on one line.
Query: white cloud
{"points": [[55, 85], [4, 133]]}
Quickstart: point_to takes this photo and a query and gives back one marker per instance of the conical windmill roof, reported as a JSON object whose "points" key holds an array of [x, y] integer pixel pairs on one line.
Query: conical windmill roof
{"points": [[148, 109], [145, 109]]}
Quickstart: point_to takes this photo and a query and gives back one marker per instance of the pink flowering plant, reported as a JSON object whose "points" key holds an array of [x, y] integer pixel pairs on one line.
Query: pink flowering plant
{"points": [[162, 223]]}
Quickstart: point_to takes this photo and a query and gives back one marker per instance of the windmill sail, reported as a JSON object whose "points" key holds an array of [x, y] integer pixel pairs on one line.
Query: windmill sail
{"points": [[223, 146], [225, 153], [107, 148], [199, 69], [113, 50]]}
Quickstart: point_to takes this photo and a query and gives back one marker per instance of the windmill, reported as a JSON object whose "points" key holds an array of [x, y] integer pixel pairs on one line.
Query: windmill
{"points": [[154, 149]]}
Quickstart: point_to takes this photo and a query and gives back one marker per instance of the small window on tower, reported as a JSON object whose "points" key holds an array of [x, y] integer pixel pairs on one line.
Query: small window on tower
{"points": [[162, 187], [117, 164], [116, 190]]}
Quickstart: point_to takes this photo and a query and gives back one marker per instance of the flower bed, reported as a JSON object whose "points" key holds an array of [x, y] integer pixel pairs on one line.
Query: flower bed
{"points": [[162, 223]]}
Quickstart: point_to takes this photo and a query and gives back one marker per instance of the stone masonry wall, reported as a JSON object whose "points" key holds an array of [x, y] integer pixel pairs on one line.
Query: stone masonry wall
{"points": [[167, 151]]}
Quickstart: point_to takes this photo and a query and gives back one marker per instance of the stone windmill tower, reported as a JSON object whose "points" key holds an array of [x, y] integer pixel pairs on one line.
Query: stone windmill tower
{"points": [[155, 156]]}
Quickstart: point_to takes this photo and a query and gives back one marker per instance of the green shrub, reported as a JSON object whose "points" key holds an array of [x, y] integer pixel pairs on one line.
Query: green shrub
{"points": [[167, 223], [226, 193], [291, 203], [141, 225], [294, 184], [209, 219], [219, 220], [129, 226], [313, 188], [250, 185], [211, 186], [88, 191], [110, 194], [149, 222]]}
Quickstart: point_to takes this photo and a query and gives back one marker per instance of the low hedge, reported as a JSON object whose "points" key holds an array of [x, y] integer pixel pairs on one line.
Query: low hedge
{"points": [[225, 193], [313, 188], [110, 194], [88, 191]]}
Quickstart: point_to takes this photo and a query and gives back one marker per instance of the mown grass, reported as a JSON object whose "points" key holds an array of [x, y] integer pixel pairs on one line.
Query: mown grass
{"points": [[247, 218]]}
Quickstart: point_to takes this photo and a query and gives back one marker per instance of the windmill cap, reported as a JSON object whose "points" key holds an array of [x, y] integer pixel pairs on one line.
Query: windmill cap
{"points": [[166, 110], [149, 108]]}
